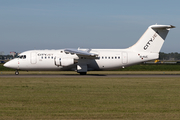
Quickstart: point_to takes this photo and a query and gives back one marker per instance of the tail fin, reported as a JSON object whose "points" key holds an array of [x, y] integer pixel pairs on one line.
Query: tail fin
{"points": [[153, 39]]}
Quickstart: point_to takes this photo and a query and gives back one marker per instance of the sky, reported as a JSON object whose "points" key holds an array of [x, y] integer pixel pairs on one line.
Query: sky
{"points": [[58, 24]]}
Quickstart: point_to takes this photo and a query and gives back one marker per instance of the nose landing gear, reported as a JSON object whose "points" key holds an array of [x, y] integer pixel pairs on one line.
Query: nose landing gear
{"points": [[16, 72]]}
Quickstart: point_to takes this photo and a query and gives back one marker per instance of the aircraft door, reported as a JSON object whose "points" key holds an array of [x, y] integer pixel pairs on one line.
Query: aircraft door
{"points": [[124, 58], [33, 58]]}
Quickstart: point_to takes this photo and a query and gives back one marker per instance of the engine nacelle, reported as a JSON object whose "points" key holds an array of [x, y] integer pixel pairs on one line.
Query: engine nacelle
{"points": [[64, 61], [67, 61]]}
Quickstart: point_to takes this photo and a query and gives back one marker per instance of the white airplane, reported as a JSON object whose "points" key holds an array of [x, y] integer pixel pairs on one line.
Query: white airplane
{"points": [[83, 60]]}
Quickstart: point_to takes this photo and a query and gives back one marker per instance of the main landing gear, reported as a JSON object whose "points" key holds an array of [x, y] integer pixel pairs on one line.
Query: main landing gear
{"points": [[16, 72]]}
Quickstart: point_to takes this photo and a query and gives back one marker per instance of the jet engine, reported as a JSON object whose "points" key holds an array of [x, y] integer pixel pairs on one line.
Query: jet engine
{"points": [[65, 61]]}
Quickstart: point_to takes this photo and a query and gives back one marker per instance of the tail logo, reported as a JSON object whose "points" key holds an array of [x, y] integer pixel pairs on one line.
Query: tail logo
{"points": [[150, 41]]}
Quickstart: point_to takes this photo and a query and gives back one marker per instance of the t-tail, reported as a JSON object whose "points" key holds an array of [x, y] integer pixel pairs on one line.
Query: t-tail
{"points": [[153, 39]]}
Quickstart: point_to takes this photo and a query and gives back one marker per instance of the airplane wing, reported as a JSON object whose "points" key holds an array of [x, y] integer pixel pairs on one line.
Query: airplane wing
{"points": [[81, 52]]}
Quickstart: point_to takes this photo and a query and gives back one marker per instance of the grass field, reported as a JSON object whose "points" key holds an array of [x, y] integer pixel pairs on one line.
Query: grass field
{"points": [[89, 98], [138, 67]]}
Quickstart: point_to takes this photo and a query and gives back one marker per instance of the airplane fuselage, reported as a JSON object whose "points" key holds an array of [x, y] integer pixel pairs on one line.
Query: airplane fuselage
{"points": [[107, 59]]}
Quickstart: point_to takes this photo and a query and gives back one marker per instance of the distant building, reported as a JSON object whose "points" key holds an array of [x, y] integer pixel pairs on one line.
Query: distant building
{"points": [[13, 53]]}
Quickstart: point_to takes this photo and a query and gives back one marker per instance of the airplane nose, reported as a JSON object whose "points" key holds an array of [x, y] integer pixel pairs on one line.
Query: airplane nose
{"points": [[11, 64], [6, 64]]}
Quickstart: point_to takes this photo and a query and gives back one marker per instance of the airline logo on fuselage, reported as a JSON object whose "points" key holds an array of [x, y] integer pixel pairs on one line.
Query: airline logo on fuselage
{"points": [[150, 41]]}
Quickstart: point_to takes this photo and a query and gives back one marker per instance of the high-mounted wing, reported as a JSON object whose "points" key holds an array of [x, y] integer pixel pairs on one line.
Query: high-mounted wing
{"points": [[81, 52]]}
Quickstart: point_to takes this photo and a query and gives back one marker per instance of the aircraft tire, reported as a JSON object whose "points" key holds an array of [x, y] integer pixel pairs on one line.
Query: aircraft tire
{"points": [[16, 73]]}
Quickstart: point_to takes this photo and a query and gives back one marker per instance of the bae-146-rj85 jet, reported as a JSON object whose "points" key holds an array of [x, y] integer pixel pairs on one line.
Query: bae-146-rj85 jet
{"points": [[83, 60]]}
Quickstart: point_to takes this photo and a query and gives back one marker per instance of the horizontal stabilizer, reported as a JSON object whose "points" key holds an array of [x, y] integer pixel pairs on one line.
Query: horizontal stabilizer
{"points": [[162, 26]]}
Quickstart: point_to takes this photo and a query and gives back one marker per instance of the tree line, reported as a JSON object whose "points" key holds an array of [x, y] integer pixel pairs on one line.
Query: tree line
{"points": [[169, 56]]}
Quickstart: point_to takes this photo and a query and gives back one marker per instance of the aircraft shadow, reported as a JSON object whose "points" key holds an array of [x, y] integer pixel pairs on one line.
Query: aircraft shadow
{"points": [[84, 75]]}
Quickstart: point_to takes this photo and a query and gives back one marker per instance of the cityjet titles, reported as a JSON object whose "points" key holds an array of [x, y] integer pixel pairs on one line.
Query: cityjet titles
{"points": [[150, 41]]}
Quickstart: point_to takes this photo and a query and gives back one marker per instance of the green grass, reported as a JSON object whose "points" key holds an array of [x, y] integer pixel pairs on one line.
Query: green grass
{"points": [[89, 98], [139, 67]]}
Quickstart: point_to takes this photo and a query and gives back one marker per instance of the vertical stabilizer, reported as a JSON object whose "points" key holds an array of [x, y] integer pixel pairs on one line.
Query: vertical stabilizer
{"points": [[153, 39]]}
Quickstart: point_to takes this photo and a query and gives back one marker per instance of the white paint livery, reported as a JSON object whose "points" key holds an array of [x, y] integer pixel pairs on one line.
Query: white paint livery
{"points": [[83, 60]]}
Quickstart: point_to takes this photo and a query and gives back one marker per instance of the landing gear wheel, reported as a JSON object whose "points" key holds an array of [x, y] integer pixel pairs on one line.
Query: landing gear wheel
{"points": [[16, 73], [82, 73]]}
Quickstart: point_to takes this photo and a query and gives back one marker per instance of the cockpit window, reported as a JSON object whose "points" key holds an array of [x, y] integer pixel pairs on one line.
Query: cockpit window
{"points": [[21, 56]]}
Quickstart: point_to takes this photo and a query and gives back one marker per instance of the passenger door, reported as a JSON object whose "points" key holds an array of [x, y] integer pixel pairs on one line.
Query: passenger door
{"points": [[33, 58], [124, 58]]}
